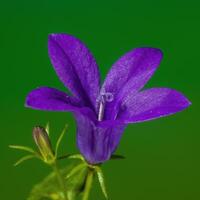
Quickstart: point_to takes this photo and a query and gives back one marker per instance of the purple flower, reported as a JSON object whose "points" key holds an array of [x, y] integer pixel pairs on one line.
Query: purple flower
{"points": [[103, 112]]}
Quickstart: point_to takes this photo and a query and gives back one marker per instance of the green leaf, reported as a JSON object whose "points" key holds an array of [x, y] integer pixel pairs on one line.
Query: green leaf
{"points": [[101, 180], [59, 140], [23, 148], [24, 158], [49, 189]]}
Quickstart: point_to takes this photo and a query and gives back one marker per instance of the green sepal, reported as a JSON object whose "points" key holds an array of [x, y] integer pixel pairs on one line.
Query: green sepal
{"points": [[76, 170], [101, 180], [63, 157], [24, 158], [72, 156], [33, 154], [76, 156], [59, 140], [117, 157], [49, 188], [23, 148]]}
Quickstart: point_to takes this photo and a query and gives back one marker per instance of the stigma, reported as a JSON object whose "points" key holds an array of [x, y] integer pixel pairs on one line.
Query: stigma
{"points": [[104, 97]]}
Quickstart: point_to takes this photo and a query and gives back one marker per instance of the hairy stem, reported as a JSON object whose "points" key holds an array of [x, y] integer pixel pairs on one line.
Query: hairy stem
{"points": [[61, 181], [88, 184]]}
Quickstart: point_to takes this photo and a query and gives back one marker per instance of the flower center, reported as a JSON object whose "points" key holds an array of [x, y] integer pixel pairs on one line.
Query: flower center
{"points": [[104, 97]]}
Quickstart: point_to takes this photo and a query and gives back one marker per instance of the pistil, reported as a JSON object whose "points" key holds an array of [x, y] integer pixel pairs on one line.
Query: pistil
{"points": [[105, 97]]}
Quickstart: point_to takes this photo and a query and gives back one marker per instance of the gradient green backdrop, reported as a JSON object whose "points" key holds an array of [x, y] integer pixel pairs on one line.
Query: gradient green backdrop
{"points": [[162, 156]]}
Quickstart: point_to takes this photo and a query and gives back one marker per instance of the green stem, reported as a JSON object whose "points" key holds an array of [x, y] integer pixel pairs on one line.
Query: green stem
{"points": [[88, 185], [61, 181]]}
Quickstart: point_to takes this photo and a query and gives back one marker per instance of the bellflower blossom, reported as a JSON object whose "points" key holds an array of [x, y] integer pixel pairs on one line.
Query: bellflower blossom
{"points": [[103, 112]]}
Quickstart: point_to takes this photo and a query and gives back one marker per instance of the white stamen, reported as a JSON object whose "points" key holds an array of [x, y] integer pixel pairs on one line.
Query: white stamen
{"points": [[105, 97], [101, 110]]}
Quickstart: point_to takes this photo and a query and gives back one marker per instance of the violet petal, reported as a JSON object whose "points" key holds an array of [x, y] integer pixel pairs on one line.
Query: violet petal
{"points": [[75, 66], [50, 99], [151, 104], [129, 74]]}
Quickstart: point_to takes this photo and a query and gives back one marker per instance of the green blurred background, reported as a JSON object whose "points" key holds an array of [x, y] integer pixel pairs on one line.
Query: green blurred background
{"points": [[162, 156]]}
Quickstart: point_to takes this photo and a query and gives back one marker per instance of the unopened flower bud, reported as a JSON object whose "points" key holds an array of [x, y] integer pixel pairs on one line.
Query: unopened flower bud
{"points": [[43, 143]]}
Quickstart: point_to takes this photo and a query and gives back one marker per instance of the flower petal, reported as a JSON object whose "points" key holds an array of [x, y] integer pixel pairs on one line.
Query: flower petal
{"points": [[75, 66], [95, 143], [50, 99], [151, 104], [129, 74]]}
